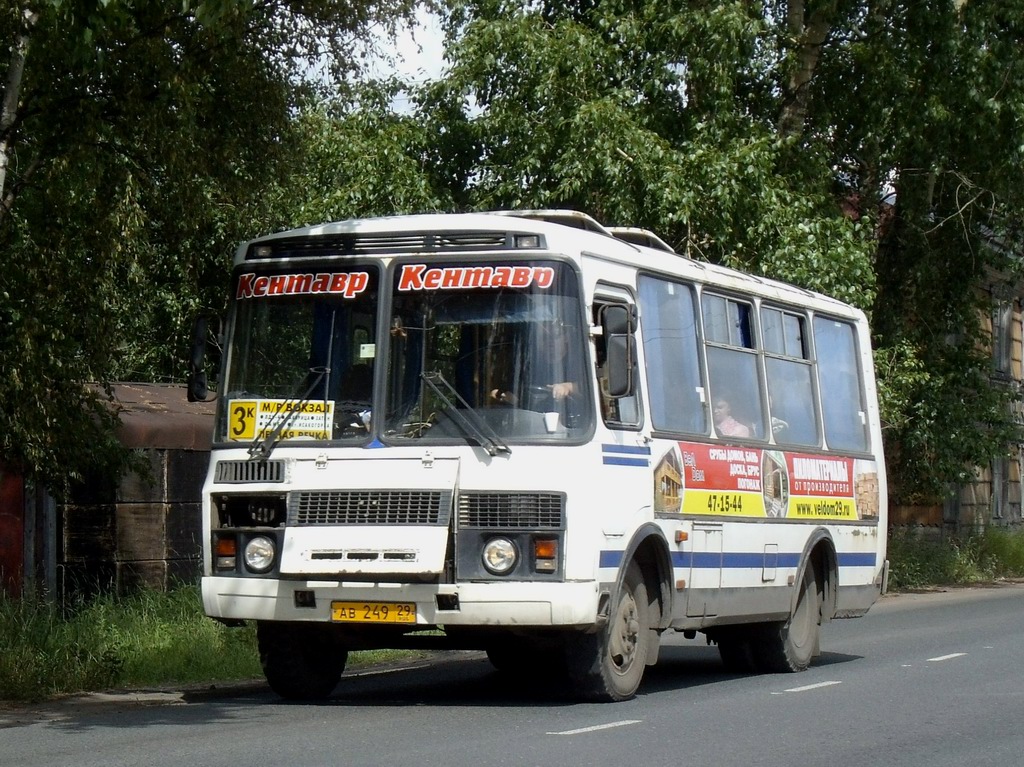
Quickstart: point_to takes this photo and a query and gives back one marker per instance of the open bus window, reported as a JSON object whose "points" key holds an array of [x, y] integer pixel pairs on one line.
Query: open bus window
{"points": [[732, 368]]}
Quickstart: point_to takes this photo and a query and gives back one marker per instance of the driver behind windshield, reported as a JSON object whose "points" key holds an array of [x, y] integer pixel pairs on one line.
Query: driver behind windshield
{"points": [[552, 372]]}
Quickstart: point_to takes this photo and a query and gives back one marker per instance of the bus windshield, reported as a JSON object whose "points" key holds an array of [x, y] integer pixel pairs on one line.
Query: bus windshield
{"points": [[493, 351], [302, 356], [496, 355]]}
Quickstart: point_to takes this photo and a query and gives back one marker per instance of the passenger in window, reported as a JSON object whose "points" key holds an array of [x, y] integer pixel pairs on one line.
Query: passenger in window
{"points": [[725, 424]]}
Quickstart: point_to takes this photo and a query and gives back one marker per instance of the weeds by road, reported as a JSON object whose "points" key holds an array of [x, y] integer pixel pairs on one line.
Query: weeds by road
{"points": [[917, 562], [146, 639]]}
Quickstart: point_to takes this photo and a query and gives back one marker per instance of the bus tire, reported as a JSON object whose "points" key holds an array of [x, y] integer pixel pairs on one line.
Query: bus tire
{"points": [[300, 662], [790, 646], [608, 665]]}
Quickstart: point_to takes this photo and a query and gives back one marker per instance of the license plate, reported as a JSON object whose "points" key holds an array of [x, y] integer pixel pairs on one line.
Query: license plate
{"points": [[373, 612]]}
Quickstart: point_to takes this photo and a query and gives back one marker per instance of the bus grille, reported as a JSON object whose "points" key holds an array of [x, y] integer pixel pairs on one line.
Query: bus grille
{"points": [[369, 507], [367, 243], [237, 472], [536, 511]]}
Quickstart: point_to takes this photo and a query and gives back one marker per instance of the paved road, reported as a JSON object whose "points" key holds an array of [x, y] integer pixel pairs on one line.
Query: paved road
{"points": [[934, 679]]}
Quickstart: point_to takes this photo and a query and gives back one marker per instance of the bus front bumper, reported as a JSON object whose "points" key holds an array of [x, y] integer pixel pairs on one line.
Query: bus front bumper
{"points": [[460, 604]]}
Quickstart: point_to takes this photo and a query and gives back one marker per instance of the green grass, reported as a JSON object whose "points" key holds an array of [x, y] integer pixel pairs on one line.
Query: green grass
{"points": [[916, 563], [148, 639]]}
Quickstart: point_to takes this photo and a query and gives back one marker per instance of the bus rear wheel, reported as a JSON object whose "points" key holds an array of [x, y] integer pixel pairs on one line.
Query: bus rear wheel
{"points": [[609, 664], [300, 661], [790, 646]]}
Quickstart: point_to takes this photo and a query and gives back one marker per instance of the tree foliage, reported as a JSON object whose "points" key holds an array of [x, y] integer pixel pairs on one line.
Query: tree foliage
{"points": [[647, 114], [141, 141], [869, 149]]}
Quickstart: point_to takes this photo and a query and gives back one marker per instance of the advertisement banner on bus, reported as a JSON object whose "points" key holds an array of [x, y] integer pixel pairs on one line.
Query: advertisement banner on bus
{"points": [[728, 481]]}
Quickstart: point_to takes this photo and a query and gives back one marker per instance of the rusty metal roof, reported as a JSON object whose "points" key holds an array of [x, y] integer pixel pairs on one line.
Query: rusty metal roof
{"points": [[160, 416]]}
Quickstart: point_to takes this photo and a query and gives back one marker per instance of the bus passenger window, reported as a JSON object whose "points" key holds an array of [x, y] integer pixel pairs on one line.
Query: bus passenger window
{"points": [[732, 368], [734, 382], [674, 381], [727, 322], [842, 400], [790, 378]]}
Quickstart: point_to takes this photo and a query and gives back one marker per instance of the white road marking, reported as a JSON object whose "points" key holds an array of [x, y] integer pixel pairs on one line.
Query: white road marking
{"points": [[807, 687], [947, 657], [597, 727]]}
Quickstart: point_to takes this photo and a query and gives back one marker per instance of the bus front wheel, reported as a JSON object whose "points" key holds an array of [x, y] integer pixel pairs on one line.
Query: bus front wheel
{"points": [[609, 664], [300, 661]]}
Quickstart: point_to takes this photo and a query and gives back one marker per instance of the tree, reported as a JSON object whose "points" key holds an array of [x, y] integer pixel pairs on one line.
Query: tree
{"points": [[933, 98], [866, 148], [139, 142], [642, 114], [357, 157]]}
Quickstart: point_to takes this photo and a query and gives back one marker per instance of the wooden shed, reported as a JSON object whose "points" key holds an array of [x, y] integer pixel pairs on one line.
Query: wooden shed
{"points": [[142, 529]]}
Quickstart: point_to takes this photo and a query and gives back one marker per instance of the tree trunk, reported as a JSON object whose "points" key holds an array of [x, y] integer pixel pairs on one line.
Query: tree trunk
{"points": [[808, 35], [9, 111]]}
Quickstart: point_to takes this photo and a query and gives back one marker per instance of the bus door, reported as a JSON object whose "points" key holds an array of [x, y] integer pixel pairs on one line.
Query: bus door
{"points": [[705, 569], [625, 448]]}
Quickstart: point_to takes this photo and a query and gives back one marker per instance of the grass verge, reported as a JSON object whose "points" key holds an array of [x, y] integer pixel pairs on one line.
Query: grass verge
{"points": [[148, 639], [916, 563]]}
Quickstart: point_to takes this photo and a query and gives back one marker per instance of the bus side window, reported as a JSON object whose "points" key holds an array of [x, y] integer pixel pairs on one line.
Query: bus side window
{"points": [[788, 368], [732, 368], [842, 399], [674, 379], [616, 411]]}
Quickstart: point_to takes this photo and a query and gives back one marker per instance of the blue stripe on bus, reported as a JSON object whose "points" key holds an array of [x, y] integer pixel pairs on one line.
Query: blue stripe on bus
{"points": [[707, 560], [858, 560], [735, 560], [618, 455], [628, 449], [615, 461]]}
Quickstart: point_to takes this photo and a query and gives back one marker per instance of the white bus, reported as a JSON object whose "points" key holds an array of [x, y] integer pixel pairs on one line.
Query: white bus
{"points": [[530, 435]]}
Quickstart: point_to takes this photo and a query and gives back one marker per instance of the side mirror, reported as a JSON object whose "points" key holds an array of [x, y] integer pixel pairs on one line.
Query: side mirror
{"points": [[198, 387], [618, 323]]}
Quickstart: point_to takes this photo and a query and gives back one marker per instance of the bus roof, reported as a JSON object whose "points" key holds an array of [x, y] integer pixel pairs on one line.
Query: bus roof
{"points": [[565, 231]]}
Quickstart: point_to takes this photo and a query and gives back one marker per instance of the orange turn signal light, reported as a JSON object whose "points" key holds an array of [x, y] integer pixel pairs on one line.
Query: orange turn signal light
{"points": [[545, 548]]}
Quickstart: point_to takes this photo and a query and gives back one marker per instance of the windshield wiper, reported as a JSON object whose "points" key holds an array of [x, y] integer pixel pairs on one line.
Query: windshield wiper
{"points": [[468, 419], [262, 447]]}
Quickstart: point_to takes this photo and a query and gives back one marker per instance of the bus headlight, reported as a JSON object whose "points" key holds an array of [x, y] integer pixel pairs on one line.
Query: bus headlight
{"points": [[500, 556], [259, 554]]}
